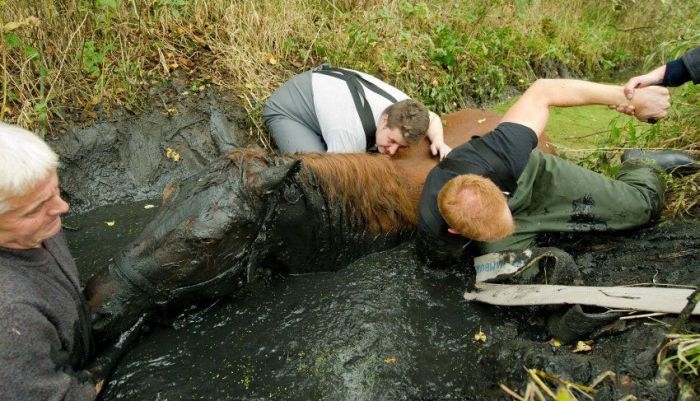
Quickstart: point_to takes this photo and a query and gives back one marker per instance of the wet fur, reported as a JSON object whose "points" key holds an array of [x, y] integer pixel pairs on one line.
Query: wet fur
{"points": [[367, 186]]}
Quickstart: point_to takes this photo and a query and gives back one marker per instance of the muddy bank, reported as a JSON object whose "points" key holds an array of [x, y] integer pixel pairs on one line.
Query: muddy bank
{"points": [[383, 328], [128, 157]]}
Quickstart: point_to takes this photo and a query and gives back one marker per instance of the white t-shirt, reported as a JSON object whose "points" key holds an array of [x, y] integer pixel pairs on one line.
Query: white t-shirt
{"points": [[337, 116]]}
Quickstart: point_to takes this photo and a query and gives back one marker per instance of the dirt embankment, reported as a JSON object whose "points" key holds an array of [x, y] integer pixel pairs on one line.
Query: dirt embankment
{"points": [[129, 157]]}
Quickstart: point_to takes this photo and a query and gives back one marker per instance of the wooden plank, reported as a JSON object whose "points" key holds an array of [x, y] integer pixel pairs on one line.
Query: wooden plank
{"points": [[653, 299]]}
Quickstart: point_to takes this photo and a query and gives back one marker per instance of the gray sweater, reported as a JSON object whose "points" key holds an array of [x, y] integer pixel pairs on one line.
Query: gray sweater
{"points": [[45, 337]]}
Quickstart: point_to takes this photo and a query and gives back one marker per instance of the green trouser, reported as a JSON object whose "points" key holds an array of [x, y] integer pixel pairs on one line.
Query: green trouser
{"points": [[554, 195]]}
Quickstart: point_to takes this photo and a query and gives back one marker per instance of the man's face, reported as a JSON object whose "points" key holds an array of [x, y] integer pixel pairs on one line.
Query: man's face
{"points": [[34, 216], [389, 140]]}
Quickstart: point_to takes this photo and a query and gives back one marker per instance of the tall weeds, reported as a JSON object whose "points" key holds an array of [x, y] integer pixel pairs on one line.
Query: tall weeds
{"points": [[72, 58]]}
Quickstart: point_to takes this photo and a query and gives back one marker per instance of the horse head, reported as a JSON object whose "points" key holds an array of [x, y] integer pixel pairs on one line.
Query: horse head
{"points": [[201, 243]]}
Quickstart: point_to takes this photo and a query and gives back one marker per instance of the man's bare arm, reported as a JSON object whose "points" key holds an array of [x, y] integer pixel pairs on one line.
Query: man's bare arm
{"points": [[532, 109]]}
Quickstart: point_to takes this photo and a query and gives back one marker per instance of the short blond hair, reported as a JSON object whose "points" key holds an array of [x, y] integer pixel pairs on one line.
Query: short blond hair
{"points": [[467, 203], [25, 160]]}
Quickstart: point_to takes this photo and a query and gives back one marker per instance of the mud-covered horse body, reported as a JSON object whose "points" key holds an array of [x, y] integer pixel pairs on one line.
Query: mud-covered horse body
{"points": [[218, 229]]}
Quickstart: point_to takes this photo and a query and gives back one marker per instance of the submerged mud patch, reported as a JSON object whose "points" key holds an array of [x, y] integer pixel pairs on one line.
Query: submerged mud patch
{"points": [[126, 157], [386, 328]]}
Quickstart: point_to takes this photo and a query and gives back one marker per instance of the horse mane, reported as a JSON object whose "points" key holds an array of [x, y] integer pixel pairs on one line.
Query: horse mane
{"points": [[367, 186]]}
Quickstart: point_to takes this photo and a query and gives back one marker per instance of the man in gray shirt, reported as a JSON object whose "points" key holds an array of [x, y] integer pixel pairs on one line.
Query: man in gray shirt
{"points": [[45, 339]]}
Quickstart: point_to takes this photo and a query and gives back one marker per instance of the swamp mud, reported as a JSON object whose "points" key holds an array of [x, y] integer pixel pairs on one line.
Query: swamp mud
{"points": [[387, 328], [383, 328]]}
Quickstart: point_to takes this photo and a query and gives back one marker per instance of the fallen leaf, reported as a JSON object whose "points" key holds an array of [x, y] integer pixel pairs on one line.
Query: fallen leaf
{"points": [[95, 100], [198, 39], [172, 154], [555, 342], [481, 120], [272, 61], [390, 360], [14, 25], [582, 346], [110, 223], [149, 206], [480, 336]]}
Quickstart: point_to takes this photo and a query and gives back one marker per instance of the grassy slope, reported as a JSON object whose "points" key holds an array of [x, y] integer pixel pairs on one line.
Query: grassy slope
{"points": [[578, 129], [449, 54]]}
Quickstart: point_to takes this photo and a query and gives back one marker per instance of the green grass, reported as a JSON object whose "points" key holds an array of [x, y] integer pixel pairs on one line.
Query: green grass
{"points": [[576, 130], [448, 54]]}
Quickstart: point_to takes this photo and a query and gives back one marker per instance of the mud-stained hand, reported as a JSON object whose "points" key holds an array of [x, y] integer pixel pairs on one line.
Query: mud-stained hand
{"points": [[651, 103], [654, 77], [440, 148]]}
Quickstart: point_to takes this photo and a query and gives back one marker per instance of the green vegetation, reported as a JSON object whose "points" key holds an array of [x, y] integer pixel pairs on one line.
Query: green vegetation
{"points": [[89, 54], [681, 355]]}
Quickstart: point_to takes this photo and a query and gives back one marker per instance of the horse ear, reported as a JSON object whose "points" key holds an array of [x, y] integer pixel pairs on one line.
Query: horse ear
{"points": [[272, 177]]}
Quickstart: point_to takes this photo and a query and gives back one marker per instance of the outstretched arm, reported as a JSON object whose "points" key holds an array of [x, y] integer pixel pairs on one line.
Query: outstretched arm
{"points": [[532, 109], [435, 134], [654, 77]]}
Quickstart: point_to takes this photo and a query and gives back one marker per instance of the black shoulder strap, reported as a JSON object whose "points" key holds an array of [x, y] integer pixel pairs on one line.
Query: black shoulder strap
{"points": [[500, 176], [355, 83]]}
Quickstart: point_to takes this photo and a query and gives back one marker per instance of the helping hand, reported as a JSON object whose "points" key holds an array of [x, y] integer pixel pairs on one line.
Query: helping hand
{"points": [[648, 104], [651, 103], [440, 148], [652, 78]]}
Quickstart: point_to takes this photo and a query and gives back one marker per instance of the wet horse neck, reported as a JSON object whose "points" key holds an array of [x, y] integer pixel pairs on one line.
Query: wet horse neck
{"points": [[336, 209]]}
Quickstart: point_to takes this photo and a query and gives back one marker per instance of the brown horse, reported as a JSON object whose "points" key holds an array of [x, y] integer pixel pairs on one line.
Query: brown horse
{"points": [[252, 212]]}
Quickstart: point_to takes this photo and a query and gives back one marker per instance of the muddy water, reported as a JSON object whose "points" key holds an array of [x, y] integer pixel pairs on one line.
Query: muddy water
{"points": [[383, 328], [95, 236]]}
